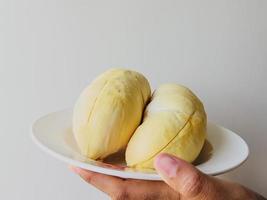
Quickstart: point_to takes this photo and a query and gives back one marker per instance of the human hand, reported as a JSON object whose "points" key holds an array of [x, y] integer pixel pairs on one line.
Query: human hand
{"points": [[182, 181]]}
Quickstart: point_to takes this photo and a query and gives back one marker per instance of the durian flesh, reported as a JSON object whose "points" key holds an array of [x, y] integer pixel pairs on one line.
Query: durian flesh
{"points": [[108, 111], [174, 122]]}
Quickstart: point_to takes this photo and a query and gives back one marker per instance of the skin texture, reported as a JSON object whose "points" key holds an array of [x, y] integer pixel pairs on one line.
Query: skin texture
{"points": [[108, 111], [182, 181], [174, 122]]}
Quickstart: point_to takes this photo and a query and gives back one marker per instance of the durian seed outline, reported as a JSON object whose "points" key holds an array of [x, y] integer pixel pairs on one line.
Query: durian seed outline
{"points": [[187, 121]]}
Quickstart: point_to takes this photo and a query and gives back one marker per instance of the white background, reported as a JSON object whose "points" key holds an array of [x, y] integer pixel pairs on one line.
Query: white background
{"points": [[51, 49]]}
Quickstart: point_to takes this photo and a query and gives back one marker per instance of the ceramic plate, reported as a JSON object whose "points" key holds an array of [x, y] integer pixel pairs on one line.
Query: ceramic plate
{"points": [[223, 150]]}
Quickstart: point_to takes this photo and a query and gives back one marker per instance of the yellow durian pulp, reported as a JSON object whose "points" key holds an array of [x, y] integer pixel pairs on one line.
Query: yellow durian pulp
{"points": [[108, 112], [174, 122]]}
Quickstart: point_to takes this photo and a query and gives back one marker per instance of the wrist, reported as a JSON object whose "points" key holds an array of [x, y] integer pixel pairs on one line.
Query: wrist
{"points": [[248, 194]]}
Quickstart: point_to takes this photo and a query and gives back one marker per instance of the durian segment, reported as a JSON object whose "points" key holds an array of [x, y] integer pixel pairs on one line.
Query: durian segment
{"points": [[174, 122], [108, 111]]}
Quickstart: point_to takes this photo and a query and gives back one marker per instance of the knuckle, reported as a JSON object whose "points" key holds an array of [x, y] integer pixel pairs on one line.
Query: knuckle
{"points": [[120, 194], [193, 185], [150, 197], [89, 178]]}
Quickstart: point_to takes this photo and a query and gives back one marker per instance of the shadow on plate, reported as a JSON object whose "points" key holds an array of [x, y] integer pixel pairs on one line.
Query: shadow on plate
{"points": [[117, 160]]}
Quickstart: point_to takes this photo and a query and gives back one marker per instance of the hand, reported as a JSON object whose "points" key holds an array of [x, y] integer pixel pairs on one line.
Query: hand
{"points": [[182, 181]]}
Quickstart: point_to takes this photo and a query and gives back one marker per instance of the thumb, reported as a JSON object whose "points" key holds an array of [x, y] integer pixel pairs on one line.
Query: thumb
{"points": [[183, 177]]}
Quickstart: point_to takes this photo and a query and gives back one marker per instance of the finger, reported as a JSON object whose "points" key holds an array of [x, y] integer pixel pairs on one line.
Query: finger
{"points": [[140, 189], [127, 189], [184, 177], [108, 184]]}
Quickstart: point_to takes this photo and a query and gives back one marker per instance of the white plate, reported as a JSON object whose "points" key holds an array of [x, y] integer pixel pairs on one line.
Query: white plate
{"points": [[223, 150]]}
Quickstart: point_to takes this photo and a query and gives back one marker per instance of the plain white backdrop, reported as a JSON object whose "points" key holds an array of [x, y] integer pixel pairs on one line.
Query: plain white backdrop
{"points": [[51, 49]]}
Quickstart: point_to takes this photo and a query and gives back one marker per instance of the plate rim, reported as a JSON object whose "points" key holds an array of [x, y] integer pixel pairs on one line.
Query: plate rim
{"points": [[116, 172]]}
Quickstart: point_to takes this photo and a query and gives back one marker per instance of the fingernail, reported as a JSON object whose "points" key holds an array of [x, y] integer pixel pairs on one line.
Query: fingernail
{"points": [[74, 169], [167, 165]]}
